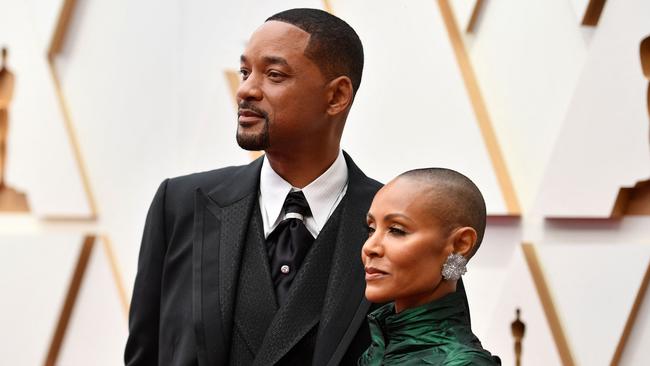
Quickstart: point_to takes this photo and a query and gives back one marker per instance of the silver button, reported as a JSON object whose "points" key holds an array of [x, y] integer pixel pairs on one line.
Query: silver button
{"points": [[285, 269]]}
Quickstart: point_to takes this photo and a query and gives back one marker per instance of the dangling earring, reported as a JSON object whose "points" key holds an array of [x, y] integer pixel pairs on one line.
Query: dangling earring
{"points": [[454, 267]]}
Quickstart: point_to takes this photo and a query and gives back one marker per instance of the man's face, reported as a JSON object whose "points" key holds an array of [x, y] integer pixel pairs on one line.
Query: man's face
{"points": [[282, 101], [406, 246]]}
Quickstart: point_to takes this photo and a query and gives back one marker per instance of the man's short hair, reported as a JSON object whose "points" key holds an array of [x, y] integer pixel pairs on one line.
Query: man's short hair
{"points": [[458, 201], [333, 45]]}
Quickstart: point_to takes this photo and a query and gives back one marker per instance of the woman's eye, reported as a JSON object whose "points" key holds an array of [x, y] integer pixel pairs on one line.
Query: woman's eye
{"points": [[396, 231], [371, 230]]}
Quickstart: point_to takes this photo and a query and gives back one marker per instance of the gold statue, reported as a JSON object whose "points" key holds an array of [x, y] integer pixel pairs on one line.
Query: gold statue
{"points": [[10, 199], [518, 329], [644, 51], [636, 200], [6, 93]]}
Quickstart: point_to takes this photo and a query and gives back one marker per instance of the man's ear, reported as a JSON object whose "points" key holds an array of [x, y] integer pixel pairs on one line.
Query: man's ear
{"points": [[464, 240], [339, 95]]}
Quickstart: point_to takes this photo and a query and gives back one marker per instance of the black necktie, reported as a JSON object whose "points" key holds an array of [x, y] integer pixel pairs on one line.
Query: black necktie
{"points": [[288, 244]]}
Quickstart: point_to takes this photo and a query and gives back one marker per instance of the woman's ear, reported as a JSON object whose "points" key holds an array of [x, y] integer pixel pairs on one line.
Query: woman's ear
{"points": [[464, 240], [339, 95]]}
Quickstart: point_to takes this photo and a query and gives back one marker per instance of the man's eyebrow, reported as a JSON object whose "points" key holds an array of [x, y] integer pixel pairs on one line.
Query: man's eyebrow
{"points": [[268, 60], [275, 60]]}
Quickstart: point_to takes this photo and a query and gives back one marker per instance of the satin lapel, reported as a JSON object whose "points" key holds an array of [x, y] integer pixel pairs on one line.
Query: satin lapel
{"points": [[302, 311], [220, 220], [345, 306]]}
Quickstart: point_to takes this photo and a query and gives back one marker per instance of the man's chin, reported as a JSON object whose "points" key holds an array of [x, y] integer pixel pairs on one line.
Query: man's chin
{"points": [[251, 148], [252, 142]]}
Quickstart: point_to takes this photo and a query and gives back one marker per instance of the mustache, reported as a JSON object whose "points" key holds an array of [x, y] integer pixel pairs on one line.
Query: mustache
{"points": [[248, 105]]}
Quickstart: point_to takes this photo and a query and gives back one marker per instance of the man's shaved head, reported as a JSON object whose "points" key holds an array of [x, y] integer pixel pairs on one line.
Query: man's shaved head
{"points": [[454, 199]]}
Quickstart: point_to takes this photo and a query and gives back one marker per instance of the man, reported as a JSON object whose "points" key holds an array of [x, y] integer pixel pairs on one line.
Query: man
{"points": [[260, 264]]}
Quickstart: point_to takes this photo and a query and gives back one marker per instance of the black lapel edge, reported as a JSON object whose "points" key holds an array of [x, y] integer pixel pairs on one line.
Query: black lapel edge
{"points": [[213, 333], [215, 274], [361, 190], [359, 316], [201, 204]]}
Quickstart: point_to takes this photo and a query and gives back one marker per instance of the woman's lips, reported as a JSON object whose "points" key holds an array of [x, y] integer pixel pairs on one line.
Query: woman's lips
{"points": [[373, 273]]}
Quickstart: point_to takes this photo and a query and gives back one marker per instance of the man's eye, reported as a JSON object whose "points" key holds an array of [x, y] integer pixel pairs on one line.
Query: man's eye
{"points": [[244, 73], [275, 76]]}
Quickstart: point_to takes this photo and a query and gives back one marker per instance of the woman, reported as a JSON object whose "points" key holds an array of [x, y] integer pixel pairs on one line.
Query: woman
{"points": [[422, 228]]}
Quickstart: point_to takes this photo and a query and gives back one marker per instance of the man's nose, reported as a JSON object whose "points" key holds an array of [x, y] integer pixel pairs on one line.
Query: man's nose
{"points": [[249, 89]]}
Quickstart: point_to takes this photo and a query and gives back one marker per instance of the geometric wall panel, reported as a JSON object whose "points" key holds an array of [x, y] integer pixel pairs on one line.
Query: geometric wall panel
{"points": [[636, 350], [527, 57], [488, 271], [519, 291], [39, 148], [98, 303], [580, 8], [148, 98], [37, 271], [594, 287], [588, 11], [603, 145], [402, 117], [467, 13]]}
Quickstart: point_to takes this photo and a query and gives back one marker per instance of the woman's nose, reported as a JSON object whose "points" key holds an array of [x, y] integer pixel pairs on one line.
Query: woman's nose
{"points": [[372, 247]]}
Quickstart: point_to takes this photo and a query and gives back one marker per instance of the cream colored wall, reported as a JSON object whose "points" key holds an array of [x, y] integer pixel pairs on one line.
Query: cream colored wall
{"points": [[144, 83]]}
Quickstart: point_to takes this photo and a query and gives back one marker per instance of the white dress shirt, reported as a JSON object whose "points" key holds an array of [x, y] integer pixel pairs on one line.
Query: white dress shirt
{"points": [[323, 195]]}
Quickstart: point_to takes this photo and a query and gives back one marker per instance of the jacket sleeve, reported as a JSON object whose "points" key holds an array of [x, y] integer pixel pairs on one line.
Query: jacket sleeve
{"points": [[144, 315]]}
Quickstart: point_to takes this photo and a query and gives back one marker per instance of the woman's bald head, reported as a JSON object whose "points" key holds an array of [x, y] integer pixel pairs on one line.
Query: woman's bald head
{"points": [[453, 199]]}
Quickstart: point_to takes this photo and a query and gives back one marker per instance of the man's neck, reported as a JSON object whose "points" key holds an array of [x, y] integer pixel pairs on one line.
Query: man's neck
{"points": [[302, 168]]}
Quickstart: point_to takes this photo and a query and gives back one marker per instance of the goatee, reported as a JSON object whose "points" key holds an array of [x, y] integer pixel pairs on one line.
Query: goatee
{"points": [[253, 141]]}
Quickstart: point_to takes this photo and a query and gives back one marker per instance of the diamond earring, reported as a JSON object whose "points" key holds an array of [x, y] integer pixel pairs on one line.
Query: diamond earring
{"points": [[454, 267]]}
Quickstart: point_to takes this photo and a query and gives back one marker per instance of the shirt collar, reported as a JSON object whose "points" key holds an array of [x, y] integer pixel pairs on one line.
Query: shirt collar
{"points": [[324, 191], [321, 194]]}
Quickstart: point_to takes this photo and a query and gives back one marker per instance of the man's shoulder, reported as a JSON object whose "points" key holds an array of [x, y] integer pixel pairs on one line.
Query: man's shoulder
{"points": [[205, 180], [179, 191]]}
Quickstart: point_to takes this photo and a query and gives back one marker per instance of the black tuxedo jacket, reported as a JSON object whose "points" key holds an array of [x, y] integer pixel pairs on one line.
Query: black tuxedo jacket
{"points": [[182, 305], [190, 258]]}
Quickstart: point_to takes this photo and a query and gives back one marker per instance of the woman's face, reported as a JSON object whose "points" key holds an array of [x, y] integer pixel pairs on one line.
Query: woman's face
{"points": [[406, 246]]}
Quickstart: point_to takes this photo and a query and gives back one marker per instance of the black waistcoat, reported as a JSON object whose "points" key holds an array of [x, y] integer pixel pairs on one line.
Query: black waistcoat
{"points": [[259, 325]]}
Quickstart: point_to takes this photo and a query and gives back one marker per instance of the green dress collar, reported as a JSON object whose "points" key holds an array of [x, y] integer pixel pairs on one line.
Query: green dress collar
{"points": [[436, 333]]}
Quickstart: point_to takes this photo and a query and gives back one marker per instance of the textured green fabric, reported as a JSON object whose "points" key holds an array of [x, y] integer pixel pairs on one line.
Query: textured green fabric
{"points": [[436, 333]]}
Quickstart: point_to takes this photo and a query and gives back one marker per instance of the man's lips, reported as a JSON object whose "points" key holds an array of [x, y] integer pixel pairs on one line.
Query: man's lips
{"points": [[373, 273], [248, 117]]}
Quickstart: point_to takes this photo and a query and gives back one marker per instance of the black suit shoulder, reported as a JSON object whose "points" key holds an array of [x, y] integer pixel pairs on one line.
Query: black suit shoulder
{"points": [[181, 189], [179, 193], [163, 286]]}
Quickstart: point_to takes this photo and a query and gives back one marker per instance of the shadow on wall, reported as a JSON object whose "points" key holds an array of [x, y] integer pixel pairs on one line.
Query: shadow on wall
{"points": [[636, 200]]}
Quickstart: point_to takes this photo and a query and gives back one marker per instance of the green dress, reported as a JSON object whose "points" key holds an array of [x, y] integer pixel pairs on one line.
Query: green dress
{"points": [[436, 333]]}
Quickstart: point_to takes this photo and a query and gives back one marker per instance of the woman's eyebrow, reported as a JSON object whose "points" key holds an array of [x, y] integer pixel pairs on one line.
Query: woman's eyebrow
{"points": [[391, 216]]}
